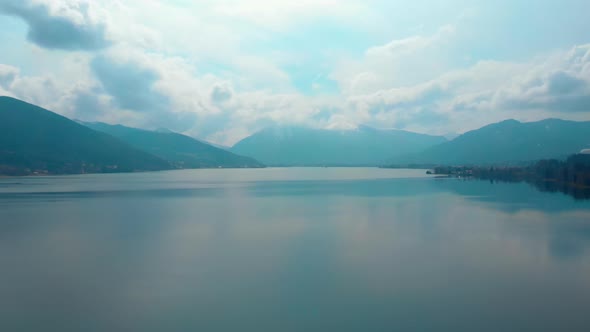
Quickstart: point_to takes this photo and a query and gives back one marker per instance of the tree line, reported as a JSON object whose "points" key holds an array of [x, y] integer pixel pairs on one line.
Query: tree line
{"points": [[570, 176]]}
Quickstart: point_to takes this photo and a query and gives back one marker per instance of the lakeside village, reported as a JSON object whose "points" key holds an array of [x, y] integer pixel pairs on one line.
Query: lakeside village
{"points": [[570, 176]]}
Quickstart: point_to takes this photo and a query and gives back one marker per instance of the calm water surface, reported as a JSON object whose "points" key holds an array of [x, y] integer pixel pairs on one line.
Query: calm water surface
{"points": [[293, 249]]}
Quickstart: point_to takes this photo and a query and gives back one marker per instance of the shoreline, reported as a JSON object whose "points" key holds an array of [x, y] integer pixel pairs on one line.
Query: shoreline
{"points": [[205, 168]]}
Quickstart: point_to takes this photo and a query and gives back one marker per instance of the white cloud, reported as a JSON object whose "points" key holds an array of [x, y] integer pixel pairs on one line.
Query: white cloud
{"points": [[411, 45], [220, 69], [61, 24], [400, 62], [557, 84], [553, 85], [7, 75]]}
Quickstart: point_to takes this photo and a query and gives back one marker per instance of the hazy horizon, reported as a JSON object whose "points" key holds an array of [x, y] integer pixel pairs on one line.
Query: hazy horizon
{"points": [[374, 165], [448, 136], [222, 70]]}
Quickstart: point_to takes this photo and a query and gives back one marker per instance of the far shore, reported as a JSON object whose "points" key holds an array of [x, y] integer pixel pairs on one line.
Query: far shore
{"points": [[4, 176]]}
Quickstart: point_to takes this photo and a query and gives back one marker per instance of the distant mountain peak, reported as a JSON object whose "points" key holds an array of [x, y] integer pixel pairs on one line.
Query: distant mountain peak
{"points": [[343, 126], [507, 142], [365, 145], [508, 121]]}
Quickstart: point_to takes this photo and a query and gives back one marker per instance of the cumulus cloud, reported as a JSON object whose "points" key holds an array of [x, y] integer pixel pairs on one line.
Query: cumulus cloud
{"points": [[88, 104], [129, 84], [559, 92], [560, 85], [62, 24], [155, 91], [402, 108], [7, 75], [485, 92], [221, 93], [400, 62], [168, 91], [456, 101], [78, 98], [422, 95], [152, 88], [40, 90], [234, 67]]}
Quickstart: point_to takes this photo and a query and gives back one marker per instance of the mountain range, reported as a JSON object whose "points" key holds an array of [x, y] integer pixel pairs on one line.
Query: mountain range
{"points": [[34, 140], [299, 146], [180, 150], [507, 142]]}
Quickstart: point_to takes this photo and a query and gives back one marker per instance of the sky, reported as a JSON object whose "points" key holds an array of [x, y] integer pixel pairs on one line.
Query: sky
{"points": [[221, 70]]}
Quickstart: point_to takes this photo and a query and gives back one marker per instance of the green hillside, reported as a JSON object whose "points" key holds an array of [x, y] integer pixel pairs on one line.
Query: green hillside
{"points": [[508, 142], [180, 150], [35, 140]]}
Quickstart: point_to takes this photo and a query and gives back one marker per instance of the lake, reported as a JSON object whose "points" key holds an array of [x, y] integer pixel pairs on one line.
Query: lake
{"points": [[290, 249]]}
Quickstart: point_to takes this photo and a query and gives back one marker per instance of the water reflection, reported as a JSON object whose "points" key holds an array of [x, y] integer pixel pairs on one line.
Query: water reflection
{"points": [[292, 254], [576, 192], [569, 234]]}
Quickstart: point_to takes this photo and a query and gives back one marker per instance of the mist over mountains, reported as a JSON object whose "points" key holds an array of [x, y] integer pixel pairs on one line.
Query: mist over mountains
{"points": [[180, 150], [507, 142], [299, 146], [36, 141]]}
